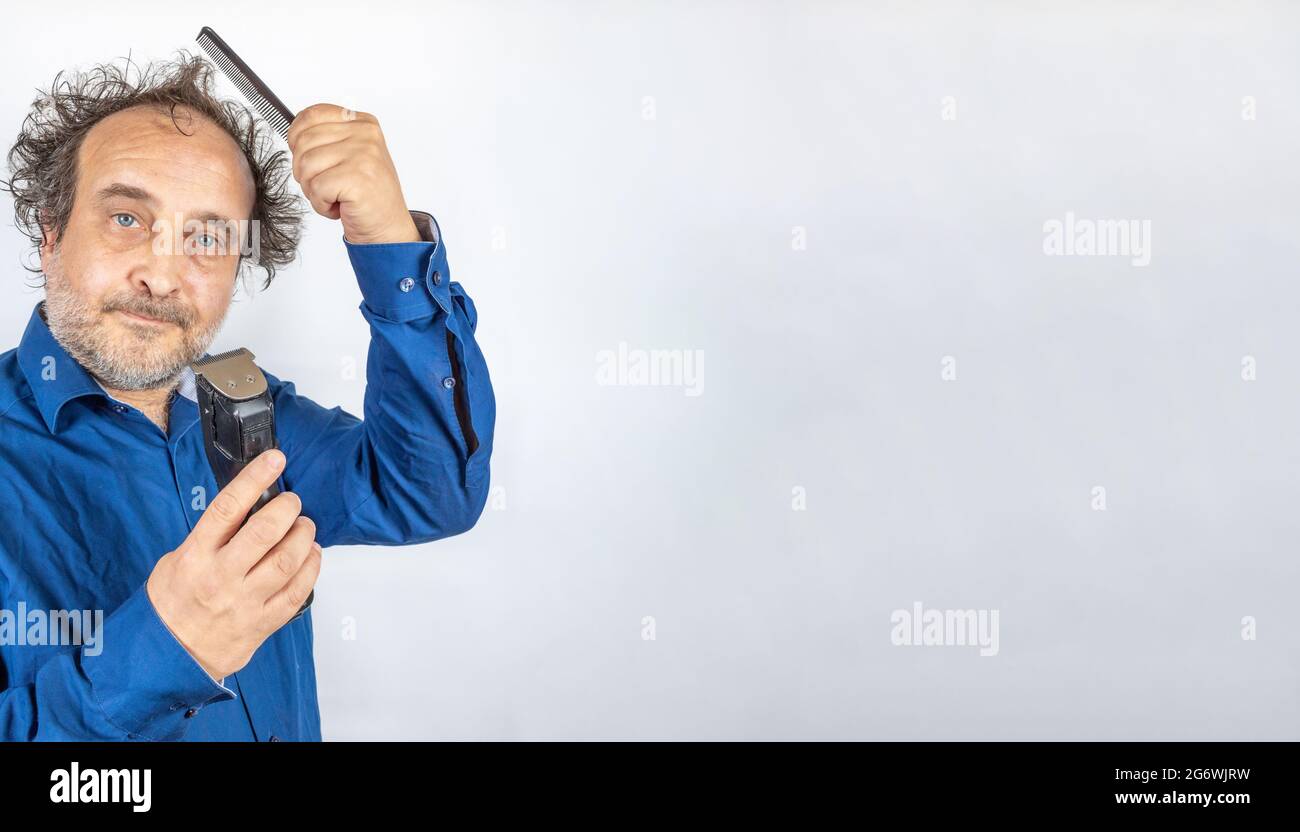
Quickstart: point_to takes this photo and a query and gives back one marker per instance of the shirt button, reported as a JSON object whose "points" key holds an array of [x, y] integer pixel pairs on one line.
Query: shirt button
{"points": [[191, 712], [274, 738], [406, 284], [449, 382], [120, 408], [437, 278]]}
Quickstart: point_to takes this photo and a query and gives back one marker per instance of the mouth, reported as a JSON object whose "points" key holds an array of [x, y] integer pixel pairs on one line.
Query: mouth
{"points": [[141, 319]]}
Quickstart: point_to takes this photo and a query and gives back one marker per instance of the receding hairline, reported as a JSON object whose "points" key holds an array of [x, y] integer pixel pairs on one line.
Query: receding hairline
{"points": [[162, 111]]}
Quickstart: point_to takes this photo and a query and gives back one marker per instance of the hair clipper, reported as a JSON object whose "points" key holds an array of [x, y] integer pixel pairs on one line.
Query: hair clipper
{"points": [[238, 417]]}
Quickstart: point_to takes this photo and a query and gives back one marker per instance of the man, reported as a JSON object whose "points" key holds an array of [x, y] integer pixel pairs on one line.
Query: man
{"points": [[107, 501]]}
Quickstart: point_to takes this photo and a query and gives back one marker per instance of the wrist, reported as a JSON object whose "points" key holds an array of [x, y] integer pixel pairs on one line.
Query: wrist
{"points": [[169, 619], [403, 230]]}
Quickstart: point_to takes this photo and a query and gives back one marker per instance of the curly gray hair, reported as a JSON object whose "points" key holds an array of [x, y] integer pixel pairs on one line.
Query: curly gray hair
{"points": [[43, 159]]}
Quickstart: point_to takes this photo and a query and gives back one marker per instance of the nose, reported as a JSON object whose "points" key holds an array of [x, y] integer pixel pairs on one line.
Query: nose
{"points": [[159, 274]]}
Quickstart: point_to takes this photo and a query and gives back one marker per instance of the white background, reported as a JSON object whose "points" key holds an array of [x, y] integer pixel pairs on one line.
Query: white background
{"points": [[526, 123]]}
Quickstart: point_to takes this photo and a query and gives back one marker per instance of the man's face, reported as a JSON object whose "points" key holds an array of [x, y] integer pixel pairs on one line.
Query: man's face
{"points": [[134, 246]]}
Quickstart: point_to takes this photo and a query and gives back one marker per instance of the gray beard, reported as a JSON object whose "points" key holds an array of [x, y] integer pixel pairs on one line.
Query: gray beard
{"points": [[130, 364]]}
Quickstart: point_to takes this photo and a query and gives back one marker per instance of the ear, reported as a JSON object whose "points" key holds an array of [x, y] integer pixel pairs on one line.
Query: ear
{"points": [[48, 239]]}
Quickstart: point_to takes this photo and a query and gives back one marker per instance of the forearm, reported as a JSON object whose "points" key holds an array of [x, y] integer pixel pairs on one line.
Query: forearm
{"points": [[138, 684], [415, 467]]}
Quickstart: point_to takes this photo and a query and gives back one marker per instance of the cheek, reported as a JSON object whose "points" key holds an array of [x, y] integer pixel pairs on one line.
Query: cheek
{"points": [[209, 300], [89, 266], [95, 237], [90, 279]]}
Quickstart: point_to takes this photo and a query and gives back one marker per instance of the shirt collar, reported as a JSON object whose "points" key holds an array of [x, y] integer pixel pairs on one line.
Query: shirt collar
{"points": [[56, 378]]}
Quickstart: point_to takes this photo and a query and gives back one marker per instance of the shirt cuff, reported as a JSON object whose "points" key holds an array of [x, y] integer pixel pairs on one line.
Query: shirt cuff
{"points": [[143, 678], [404, 281]]}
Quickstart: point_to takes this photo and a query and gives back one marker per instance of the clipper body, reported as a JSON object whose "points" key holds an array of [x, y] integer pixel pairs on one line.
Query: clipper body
{"points": [[238, 416]]}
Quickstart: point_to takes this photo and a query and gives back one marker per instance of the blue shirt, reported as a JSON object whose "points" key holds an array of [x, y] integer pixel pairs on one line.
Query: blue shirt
{"points": [[93, 494]]}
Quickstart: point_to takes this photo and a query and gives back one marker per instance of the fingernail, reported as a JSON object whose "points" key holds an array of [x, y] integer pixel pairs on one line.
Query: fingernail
{"points": [[274, 460]]}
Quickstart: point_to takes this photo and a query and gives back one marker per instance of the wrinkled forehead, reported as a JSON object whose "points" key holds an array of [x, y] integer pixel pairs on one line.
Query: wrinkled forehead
{"points": [[188, 164]]}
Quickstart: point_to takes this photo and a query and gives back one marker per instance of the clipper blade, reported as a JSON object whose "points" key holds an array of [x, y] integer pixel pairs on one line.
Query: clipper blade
{"points": [[232, 373]]}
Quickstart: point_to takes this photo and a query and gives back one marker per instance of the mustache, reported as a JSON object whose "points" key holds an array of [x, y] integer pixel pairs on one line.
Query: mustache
{"points": [[171, 314]]}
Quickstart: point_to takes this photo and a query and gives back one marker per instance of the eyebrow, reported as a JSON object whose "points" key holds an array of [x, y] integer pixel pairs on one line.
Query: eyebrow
{"points": [[120, 190]]}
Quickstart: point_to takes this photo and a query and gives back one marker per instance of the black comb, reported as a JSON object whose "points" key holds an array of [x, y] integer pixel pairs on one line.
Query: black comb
{"points": [[258, 93]]}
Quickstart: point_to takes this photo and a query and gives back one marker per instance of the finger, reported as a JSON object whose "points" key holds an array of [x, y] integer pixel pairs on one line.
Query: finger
{"points": [[330, 186], [263, 530], [323, 114], [309, 116], [220, 521], [308, 163], [285, 604], [269, 575], [334, 131]]}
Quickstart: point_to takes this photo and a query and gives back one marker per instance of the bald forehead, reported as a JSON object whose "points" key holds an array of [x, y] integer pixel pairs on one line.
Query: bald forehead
{"points": [[145, 142]]}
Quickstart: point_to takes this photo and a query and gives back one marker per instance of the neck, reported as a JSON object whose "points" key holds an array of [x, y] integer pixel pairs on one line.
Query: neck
{"points": [[153, 403]]}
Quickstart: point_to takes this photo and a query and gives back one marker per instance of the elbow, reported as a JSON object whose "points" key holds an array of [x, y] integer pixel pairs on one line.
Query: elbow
{"points": [[410, 499], [459, 504], [471, 506], [475, 486]]}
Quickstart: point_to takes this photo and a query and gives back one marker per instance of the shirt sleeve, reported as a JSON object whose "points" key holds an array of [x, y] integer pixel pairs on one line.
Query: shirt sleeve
{"points": [[137, 683], [414, 468]]}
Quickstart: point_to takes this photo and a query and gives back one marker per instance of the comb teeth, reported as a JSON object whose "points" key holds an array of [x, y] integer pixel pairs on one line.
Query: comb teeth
{"points": [[258, 94]]}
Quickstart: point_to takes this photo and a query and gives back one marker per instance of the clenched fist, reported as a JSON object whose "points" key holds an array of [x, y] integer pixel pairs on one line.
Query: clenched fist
{"points": [[342, 163]]}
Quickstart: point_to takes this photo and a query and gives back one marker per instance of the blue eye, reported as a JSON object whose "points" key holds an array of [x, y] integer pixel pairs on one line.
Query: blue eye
{"points": [[128, 216]]}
